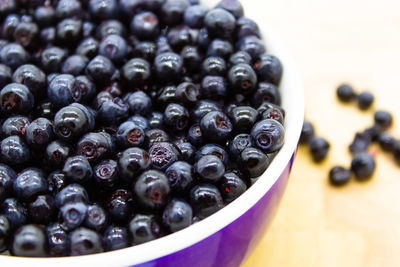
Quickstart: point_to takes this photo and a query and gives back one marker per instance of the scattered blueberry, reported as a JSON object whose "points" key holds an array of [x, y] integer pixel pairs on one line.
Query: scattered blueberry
{"points": [[365, 100], [339, 176], [363, 166], [345, 93]]}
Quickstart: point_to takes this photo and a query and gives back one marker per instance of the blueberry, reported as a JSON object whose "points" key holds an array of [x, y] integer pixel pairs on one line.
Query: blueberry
{"points": [[136, 72], [192, 58], [167, 95], [253, 162], [268, 69], [130, 135], [187, 151], [71, 193], [360, 143], [252, 45], [203, 107], [110, 27], [45, 15], [215, 150], [232, 6], [345, 93], [195, 135], [242, 78], [139, 103], [57, 240], [29, 183], [15, 125], [10, 23], [220, 48], [307, 132], [100, 69], [146, 50], [113, 111], [39, 133], [154, 136], [15, 212], [143, 228], [5, 75], [72, 215], [220, 23], [205, 200], [88, 47], [210, 168], [48, 35], [42, 209], [180, 176], [56, 153], [74, 64], [25, 33], [69, 31], [13, 55], [268, 135], [96, 218], [83, 241], [14, 150], [141, 121], [243, 118], [130, 7], [103, 9], [106, 173], [132, 162], [264, 106], [152, 189], [51, 58], [145, 25], [319, 148], [16, 98], [177, 215], [180, 36], [56, 182], [214, 87], [274, 114], [396, 151], [172, 11], [162, 45], [216, 126], [115, 237], [156, 120], [7, 177], [240, 57], [119, 206], [78, 169], [383, 118], [204, 38], [113, 47], [386, 141], [32, 77], [239, 143], [163, 154], [8, 6], [363, 166], [68, 8], [194, 16], [168, 66], [214, 66], [5, 232], [365, 100], [339, 176], [29, 241], [95, 146], [231, 186], [176, 117]]}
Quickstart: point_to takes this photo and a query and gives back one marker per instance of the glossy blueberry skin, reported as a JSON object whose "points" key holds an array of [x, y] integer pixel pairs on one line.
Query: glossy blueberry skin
{"points": [[162, 155], [100, 69], [396, 151], [110, 27], [177, 215], [152, 189], [139, 103], [5, 75], [243, 118], [365, 100], [214, 66], [48, 35], [239, 143], [166, 95], [146, 50], [113, 111], [345, 93], [386, 141], [214, 87], [39, 133], [203, 39], [57, 240], [29, 241], [267, 105], [51, 59], [7, 177], [168, 66], [339, 176], [78, 169], [44, 15], [231, 186], [360, 143], [15, 212], [216, 126], [14, 150], [56, 182], [252, 45], [194, 15], [130, 134], [242, 78], [383, 118], [106, 173], [269, 69], [8, 7], [119, 206], [195, 135], [187, 151], [205, 200], [363, 166], [10, 23], [84, 87], [172, 11], [163, 45], [145, 25], [74, 64], [307, 132], [136, 72], [71, 193], [115, 237], [213, 149], [220, 23], [113, 47], [246, 27], [69, 31], [29, 183], [68, 8], [16, 99], [32, 77], [95, 146], [233, 6], [62, 90], [143, 228], [210, 168], [180, 176], [220, 48], [319, 148], [42, 209], [253, 162], [5, 232], [72, 215], [192, 58], [88, 47], [203, 107], [156, 120], [83, 241], [56, 153], [180, 36], [13, 55], [101, 9], [155, 135], [96, 218], [268, 135], [176, 117], [187, 93], [15, 125], [132, 162], [274, 114], [240, 57]]}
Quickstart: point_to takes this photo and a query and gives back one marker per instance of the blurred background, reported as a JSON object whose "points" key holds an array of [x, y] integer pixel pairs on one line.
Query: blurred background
{"points": [[332, 42]]}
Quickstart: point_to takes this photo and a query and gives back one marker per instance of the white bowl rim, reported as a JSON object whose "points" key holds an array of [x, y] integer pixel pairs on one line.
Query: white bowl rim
{"points": [[293, 103]]}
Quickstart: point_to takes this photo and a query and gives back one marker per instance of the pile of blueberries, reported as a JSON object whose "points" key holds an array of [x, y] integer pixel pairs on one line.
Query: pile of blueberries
{"points": [[126, 120]]}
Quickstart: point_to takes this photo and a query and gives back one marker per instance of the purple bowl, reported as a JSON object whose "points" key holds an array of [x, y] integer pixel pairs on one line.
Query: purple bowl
{"points": [[227, 237]]}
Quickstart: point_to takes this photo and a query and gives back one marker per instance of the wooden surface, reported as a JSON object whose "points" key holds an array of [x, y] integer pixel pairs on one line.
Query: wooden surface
{"points": [[357, 41]]}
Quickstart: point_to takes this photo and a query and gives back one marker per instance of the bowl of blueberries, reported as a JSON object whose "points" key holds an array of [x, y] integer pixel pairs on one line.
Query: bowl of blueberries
{"points": [[141, 132]]}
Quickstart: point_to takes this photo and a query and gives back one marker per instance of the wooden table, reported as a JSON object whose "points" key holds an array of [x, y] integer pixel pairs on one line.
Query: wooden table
{"points": [[357, 41]]}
